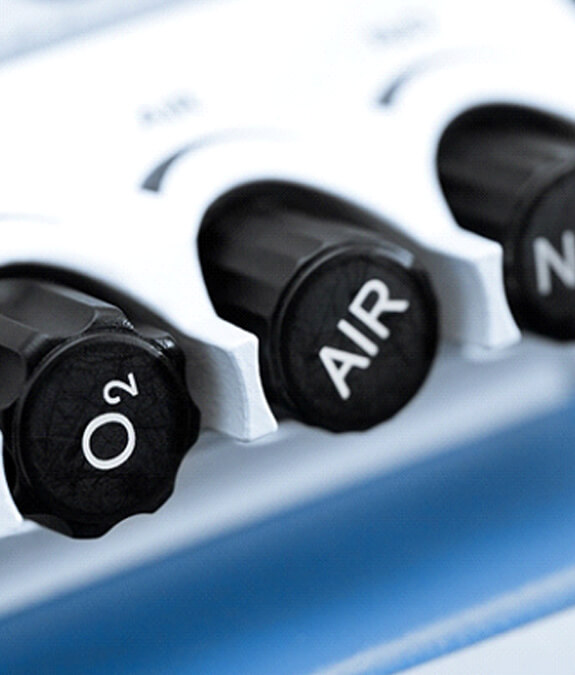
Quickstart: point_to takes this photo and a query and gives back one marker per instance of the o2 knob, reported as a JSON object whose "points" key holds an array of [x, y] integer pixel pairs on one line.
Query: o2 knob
{"points": [[347, 325], [96, 416], [509, 175]]}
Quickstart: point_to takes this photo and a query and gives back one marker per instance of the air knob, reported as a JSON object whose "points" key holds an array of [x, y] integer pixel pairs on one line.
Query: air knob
{"points": [[509, 175], [347, 324], [96, 417]]}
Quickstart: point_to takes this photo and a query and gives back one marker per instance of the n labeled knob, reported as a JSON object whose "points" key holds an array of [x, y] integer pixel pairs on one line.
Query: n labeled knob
{"points": [[347, 324], [509, 175], [96, 416]]}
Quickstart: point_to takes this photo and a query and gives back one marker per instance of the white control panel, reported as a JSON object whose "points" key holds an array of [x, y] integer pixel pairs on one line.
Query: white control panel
{"points": [[123, 125]]}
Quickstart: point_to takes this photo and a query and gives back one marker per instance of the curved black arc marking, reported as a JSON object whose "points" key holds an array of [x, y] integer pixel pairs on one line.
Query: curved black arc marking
{"points": [[438, 60], [153, 182]]}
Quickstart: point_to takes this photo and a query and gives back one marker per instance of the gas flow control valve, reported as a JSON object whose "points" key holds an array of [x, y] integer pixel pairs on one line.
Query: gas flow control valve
{"points": [[347, 325], [96, 417], [509, 175]]}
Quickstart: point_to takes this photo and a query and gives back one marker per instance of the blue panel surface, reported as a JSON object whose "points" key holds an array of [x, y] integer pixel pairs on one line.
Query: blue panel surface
{"points": [[397, 570]]}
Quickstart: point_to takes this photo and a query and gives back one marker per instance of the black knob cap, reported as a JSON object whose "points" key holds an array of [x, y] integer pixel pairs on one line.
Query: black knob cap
{"points": [[96, 416], [347, 325], [510, 175]]}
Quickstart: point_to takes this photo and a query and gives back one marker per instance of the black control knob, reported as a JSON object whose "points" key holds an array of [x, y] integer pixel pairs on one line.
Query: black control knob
{"points": [[510, 176], [347, 325], [96, 417]]}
